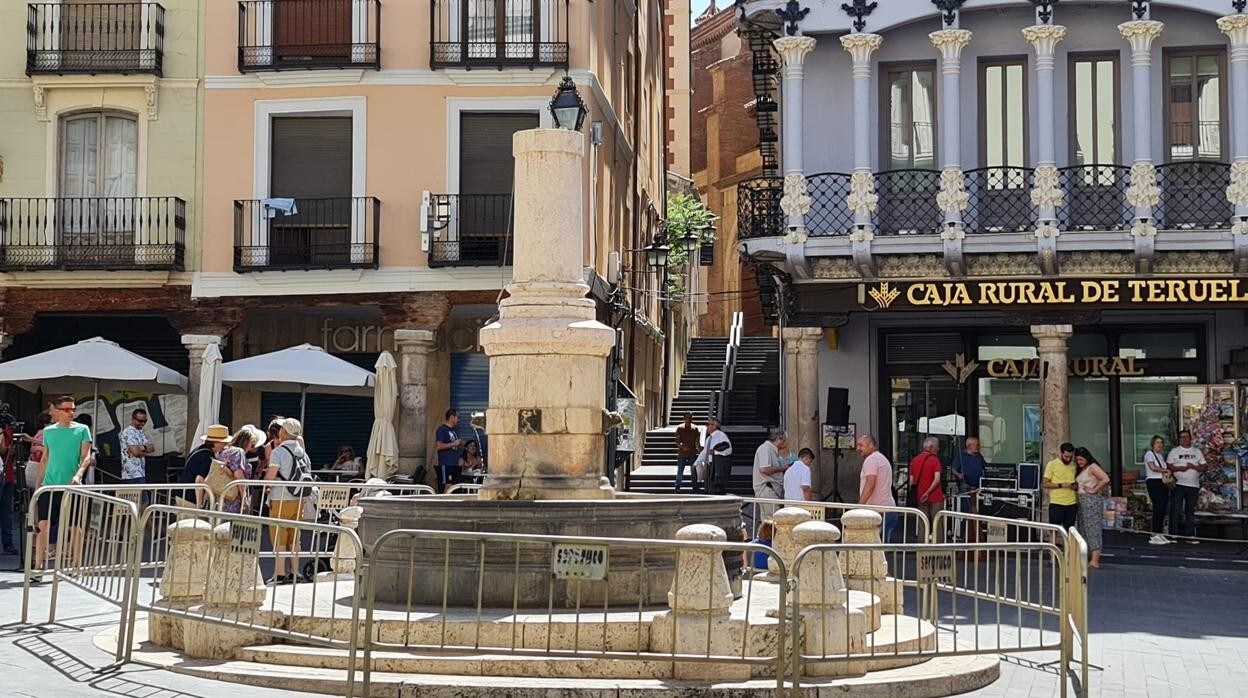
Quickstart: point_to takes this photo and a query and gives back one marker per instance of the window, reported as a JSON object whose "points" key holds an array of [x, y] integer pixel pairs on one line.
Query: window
{"points": [[1194, 105], [910, 106], [98, 180], [1003, 109], [1093, 108], [311, 162]]}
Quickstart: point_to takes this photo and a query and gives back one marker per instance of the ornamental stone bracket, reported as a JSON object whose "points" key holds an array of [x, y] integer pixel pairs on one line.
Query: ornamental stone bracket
{"points": [[952, 198], [1143, 192], [798, 261], [1046, 194], [1239, 236], [860, 238], [862, 199], [795, 201], [1237, 191], [1046, 246]]}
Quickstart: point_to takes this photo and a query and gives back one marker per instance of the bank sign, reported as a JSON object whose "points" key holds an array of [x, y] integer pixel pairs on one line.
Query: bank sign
{"points": [[1065, 293]]}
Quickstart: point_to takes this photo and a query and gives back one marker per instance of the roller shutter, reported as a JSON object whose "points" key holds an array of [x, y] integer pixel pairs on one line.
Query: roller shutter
{"points": [[330, 420]]}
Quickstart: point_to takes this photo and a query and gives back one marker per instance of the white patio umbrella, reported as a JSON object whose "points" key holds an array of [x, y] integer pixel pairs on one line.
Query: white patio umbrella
{"points": [[94, 363], [209, 390], [302, 369], [383, 448]]}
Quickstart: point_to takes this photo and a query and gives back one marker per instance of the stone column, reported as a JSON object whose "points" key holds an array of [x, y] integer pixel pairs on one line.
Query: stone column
{"points": [[1046, 194], [862, 198], [1055, 404], [952, 198], [795, 202], [801, 387], [1143, 194], [1236, 27], [412, 349], [548, 353], [195, 345]]}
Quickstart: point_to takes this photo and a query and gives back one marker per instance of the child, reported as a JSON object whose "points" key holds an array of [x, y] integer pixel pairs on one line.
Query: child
{"points": [[764, 538]]}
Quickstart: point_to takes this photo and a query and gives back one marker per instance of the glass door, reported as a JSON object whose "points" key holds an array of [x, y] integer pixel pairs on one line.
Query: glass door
{"points": [[925, 406]]}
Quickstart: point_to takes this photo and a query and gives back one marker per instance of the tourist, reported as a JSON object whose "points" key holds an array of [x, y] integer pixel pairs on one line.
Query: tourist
{"points": [[32, 472], [236, 499], [1059, 479], [716, 457], [470, 463], [1187, 463], [287, 462], [925, 487], [687, 440], [67, 454], [765, 532], [875, 482], [797, 476], [199, 463], [768, 471], [1158, 484], [135, 447], [448, 445], [1092, 481]]}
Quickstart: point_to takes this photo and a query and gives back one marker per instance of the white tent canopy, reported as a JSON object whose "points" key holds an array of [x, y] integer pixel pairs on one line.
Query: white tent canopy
{"points": [[302, 369], [92, 364]]}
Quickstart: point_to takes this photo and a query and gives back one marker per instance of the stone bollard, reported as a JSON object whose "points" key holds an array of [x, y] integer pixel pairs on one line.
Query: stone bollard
{"points": [[831, 628], [186, 565], [346, 557], [699, 622], [235, 581], [868, 571], [783, 522]]}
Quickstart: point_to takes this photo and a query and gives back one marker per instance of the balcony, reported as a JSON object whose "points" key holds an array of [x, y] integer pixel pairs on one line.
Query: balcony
{"points": [[114, 233], [308, 34], [469, 230], [499, 34], [119, 37], [1193, 197], [289, 234]]}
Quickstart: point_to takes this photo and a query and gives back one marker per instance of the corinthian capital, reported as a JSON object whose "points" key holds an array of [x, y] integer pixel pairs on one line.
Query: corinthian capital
{"points": [[950, 42], [1236, 27], [793, 49], [861, 45], [1140, 33], [1044, 37]]}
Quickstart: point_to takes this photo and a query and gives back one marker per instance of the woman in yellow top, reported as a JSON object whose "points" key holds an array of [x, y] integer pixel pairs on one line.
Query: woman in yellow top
{"points": [[1059, 480]]}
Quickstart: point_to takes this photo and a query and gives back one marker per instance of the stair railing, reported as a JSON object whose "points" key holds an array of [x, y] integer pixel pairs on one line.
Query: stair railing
{"points": [[719, 398]]}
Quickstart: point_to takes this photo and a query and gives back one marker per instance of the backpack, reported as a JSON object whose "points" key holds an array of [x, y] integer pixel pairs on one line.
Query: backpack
{"points": [[301, 471]]}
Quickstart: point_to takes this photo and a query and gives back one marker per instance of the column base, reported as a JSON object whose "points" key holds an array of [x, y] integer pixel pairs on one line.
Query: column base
{"points": [[535, 487]]}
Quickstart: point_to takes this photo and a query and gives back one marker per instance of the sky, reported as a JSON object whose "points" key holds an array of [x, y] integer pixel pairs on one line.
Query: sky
{"points": [[697, 7]]}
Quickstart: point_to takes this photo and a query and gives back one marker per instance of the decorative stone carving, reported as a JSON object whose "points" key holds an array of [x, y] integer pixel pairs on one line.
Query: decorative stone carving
{"points": [[950, 43], [1194, 262], [1239, 228], [1235, 27], [1096, 263], [1143, 228], [1046, 191], [834, 268], [951, 232], [1047, 230], [1237, 192], [911, 266], [795, 201], [1140, 34], [862, 198], [860, 47], [1000, 264], [150, 96], [41, 104], [1044, 38], [953, 197], [861, 235], [793, 50], [1143, 191]]}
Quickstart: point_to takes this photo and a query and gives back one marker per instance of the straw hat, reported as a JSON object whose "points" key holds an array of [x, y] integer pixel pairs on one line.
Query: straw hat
{"points": [[217, 433]]}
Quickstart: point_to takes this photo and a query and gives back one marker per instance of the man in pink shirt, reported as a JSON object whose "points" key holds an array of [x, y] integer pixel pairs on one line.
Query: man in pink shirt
{"points": [[875, 483]]}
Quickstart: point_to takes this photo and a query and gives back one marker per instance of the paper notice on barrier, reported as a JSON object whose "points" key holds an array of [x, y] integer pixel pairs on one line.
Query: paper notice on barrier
{"points": [[935, 567], [244, 538], [998, 532], [816, 511], [334, 497], [587, 562]]}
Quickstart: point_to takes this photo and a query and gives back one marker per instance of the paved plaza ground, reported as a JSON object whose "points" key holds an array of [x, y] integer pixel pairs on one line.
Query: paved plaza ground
{"points": [[1157, 631]]}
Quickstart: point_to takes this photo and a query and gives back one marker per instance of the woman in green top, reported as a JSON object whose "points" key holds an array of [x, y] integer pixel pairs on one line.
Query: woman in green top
{"points": [[67, 454]]}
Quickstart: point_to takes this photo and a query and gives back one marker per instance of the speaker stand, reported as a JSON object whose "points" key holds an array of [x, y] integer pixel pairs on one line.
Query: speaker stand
{"points": [[836, 478]]}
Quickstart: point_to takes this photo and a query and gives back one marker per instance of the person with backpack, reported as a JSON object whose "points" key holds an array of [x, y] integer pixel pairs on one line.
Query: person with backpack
{"points": [[290, 464]]}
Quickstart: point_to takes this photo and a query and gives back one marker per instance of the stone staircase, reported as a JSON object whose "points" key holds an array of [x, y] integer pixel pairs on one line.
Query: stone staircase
{"points": [[758, 365]]}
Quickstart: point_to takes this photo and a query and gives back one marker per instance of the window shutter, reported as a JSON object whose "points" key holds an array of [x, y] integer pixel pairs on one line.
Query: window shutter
{"points": [[485, 160], [311, 157]]}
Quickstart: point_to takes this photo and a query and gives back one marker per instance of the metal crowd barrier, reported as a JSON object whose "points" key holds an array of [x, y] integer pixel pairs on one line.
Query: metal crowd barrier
{"points": [[334, 496], [955, 599], [911, 525], [993, 529], [578, 600], [1075, 621], [464, 488]]}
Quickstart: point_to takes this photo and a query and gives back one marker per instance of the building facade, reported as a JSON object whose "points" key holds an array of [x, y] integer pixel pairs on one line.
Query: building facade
{"points": [[1020, 220]]}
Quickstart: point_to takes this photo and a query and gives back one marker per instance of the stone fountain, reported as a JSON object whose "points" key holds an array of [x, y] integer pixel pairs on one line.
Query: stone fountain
{"points": [[547, 423]]}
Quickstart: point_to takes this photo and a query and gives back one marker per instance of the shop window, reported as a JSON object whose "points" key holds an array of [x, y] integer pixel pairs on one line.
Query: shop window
{"points": [[1158, 345], [1009, 420], [1013, 347], [1147, 406]]}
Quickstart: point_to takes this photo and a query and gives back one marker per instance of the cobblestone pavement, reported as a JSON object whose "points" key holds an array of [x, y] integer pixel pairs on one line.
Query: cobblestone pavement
{"points": [[1156, 632]]}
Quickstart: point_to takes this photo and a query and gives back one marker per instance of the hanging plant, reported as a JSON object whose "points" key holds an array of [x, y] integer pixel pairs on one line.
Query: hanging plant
{"points": [[690, 225]]}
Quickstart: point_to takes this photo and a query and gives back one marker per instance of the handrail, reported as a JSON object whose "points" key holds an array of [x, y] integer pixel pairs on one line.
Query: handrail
{"points": [[728, 376]]}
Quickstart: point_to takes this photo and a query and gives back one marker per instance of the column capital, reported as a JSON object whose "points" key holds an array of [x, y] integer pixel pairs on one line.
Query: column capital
{"points": [[793, 49], [200, 341], [1044, 38], [1235, 27], [1054, 335], [950, 43], [861, 45], [1141, 32], [415, 341]]}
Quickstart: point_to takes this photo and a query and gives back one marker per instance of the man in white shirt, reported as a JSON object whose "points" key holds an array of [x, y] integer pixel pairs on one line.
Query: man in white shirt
{"points": [[1187, 464], [797, 476], [716, 450]]}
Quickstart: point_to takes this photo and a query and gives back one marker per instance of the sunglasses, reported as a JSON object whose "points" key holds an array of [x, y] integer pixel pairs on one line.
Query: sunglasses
{"points": [[140, 421], [71, 408]]}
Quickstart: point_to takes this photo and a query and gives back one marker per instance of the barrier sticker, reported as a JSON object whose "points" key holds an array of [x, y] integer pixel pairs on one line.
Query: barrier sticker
{"points": [[816, 512], [579, 562], [998, 532], [935, 567], [334, 497], [244, 538]]}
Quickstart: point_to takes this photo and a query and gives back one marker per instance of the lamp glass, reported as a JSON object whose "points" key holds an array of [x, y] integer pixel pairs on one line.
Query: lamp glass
{"points": [[567, 107], [656, 255]]}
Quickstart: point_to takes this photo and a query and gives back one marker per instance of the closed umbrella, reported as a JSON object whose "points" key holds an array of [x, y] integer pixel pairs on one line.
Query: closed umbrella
{"points": [[209, 390], [383, 449]]}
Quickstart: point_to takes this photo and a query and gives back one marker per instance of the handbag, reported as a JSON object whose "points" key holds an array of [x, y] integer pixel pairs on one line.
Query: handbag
{"points": [[219, 479]]}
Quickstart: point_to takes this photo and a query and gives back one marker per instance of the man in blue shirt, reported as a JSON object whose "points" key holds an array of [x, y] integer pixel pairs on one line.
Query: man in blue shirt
{"points": [[968, 468], [448, 445]]}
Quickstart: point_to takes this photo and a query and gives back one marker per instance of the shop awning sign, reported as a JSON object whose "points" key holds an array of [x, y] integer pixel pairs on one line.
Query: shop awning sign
{"points": [[889, 295]]}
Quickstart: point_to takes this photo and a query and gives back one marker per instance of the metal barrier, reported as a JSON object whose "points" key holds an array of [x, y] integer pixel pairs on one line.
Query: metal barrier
{"points": [[993, 529], [909, 525], [222, 587], [575, 570], [1075, 619], [334, 497], [951, 600], [464, 488]]}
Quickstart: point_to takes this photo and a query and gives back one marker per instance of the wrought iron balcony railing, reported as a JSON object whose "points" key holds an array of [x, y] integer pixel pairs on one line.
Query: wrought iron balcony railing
{"points": [[1193, 195], [999, 200], [498, 33], [282, 234], [907, 204], [308, 34], [114, 37], [1094, 197], [758, 208], [469, 230], [829, 214], [108, 233]]}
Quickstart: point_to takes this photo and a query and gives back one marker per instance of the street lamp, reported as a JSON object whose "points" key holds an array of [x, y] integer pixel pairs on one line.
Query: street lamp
{"points": [[567, 106], [656, 254]]}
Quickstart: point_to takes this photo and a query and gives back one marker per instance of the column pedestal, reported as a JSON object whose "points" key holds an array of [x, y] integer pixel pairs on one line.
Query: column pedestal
{"points": [[412, 349], [1054, 396]]}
